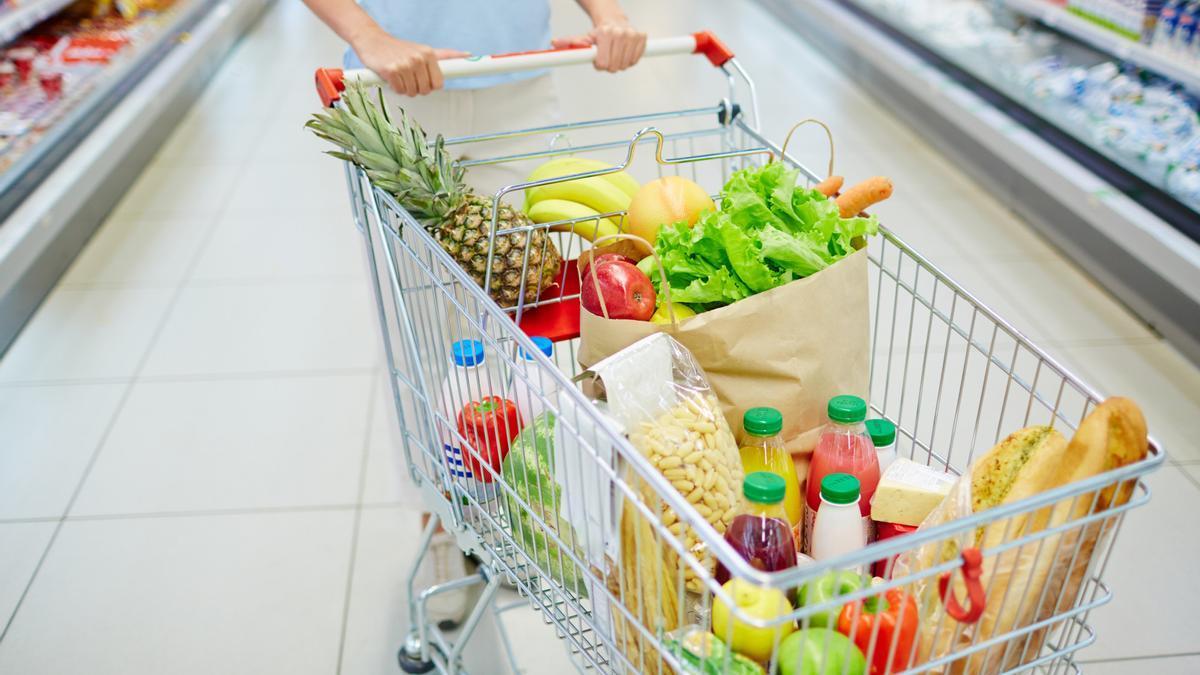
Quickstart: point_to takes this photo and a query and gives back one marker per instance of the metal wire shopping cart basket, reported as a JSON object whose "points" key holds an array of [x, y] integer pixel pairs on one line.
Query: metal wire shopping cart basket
{"points": [[953, 375]]}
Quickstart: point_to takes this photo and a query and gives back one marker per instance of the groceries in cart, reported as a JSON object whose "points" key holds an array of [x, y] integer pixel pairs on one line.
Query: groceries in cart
{"points": [[398, 159], [1040, 579]]}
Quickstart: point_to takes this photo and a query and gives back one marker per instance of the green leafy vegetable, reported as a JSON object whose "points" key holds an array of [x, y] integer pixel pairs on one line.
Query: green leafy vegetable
{"points": [[768, 232]]}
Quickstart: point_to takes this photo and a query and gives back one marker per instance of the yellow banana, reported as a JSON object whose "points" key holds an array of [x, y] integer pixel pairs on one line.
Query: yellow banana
{"points": [[551, 210], [594, 192], [562, 166]]}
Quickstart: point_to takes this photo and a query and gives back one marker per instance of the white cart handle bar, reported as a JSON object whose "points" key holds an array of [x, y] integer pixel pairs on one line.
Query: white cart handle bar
{"points": [[332, 81]]}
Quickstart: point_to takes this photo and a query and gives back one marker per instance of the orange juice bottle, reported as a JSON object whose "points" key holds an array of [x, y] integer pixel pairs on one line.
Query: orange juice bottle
{"points": [[763, 450]]}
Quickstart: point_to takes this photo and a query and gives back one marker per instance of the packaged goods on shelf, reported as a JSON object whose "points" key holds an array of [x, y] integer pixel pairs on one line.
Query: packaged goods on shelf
{"points": [[52, 69]]}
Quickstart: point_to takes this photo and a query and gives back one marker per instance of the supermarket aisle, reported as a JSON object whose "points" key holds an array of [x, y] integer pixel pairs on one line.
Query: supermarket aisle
{"points": [[197, 473]]}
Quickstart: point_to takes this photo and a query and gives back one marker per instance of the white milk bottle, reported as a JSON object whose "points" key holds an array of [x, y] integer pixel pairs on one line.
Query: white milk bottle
{"points": [[530, 387], [838, 528], [468, 380]]}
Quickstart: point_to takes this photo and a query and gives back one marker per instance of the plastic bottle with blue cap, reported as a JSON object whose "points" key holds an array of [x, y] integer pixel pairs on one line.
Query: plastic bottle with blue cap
{"points": [[530, 387], [469, 379]]}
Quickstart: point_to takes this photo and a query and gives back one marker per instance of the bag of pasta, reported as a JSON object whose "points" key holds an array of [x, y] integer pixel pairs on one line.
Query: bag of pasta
{"points": [[658, 392]]}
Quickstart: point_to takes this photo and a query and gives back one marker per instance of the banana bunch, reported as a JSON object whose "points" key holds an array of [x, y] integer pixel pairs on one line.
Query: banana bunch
{"points": [[581, 200]]}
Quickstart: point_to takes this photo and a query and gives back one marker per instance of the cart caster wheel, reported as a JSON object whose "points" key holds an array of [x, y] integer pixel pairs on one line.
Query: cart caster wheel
{"points": [[413, 664]]}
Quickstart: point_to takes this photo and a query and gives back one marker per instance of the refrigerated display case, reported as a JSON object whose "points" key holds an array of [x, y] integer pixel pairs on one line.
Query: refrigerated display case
{"points": [[1089, 133], [88, 90]]}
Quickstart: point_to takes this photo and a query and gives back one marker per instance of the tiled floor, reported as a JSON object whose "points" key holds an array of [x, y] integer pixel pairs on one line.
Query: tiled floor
{"points": [[198, 473]]}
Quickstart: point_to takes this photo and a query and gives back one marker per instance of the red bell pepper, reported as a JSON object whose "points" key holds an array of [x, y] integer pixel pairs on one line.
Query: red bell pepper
{"points": [[488, 425], [894, 616]]}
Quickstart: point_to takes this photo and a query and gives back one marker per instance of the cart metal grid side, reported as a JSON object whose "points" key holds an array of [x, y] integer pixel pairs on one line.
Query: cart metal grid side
{"points": [[953, 375]]}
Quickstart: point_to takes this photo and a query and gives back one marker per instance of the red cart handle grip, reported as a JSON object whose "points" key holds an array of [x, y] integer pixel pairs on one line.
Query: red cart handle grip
{"points": [[331, 82], [972, 571]]}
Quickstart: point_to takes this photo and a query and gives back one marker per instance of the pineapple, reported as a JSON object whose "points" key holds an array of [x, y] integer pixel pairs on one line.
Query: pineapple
{"points": [[398, 158]]}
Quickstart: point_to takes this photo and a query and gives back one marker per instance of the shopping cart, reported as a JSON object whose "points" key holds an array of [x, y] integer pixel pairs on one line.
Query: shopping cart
{"points": [[953, 375]]}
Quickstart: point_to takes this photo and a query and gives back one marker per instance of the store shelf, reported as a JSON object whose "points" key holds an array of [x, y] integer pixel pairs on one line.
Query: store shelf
{"points": [[29, 13], [1109, 42], [1143, 260], [94, 157]]}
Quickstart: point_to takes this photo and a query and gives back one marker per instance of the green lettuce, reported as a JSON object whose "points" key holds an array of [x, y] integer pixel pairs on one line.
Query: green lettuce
{"points": [[768, 231]]}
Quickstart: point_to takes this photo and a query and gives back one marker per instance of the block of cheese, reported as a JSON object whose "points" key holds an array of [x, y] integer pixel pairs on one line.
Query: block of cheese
{"points": [[908, 491]]}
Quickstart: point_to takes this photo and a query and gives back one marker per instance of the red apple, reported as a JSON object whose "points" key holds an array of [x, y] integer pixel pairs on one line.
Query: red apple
{"points": [[628, 293], [601, 259]]}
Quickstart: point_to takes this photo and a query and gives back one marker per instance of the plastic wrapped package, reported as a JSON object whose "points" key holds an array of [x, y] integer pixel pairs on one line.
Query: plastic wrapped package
{"points": [[656, 390]]}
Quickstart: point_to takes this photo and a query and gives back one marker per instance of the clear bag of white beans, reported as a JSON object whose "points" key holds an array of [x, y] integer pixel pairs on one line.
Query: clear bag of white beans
{"points": [[661, 397]]}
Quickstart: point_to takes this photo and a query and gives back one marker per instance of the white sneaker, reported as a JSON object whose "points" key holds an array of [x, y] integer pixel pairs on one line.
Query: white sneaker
{"points": [[444, 562]]}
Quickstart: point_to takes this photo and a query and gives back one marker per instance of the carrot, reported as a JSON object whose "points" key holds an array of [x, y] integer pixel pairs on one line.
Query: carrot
{"points": [[858, 198], [830, 186]]}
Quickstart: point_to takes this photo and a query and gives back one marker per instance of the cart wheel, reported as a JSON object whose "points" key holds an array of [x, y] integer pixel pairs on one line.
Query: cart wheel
{"points": [[413, 664], [410, 657]]}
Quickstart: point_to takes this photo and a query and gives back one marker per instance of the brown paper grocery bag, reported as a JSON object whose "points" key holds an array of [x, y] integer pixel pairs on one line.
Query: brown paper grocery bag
{"points": [[791, 348]]}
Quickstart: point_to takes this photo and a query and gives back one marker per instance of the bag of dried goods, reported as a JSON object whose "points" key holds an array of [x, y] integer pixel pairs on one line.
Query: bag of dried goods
{"points": [[659, 394]]}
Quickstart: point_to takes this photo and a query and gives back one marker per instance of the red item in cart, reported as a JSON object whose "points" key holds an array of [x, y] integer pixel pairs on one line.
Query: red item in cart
{"points": [[52, 82], [883, 531], [22, 58], [8, 74]]}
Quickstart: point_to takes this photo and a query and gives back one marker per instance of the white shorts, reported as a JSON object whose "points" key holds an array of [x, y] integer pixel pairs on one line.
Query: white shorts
{"points": [[466, 112]]}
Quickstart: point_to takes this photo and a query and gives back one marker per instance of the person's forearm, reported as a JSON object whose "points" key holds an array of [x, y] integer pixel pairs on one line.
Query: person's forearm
{"points": [[603, 11], [346, 18]]}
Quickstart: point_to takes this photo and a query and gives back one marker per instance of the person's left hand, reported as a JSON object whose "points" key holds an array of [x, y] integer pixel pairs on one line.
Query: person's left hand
{"points": [[618, 44]]}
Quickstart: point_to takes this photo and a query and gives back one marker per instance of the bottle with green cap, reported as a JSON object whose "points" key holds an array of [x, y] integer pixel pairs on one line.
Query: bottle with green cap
{"points": [[883, 436], [843, 447], [763, 450], [838, 529], [761, 533]]}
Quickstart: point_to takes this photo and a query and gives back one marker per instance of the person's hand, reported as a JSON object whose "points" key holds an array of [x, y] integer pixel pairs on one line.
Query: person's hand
{"points": [[618, 44], [410, 68]]}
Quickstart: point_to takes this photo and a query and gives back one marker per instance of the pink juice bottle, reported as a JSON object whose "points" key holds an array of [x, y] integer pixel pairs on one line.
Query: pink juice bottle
{"points": [[761, 533], [844, 447]]}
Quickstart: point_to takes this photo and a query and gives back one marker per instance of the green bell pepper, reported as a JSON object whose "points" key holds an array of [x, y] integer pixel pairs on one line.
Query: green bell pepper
{"points": [[820, 651], [825, 588]]}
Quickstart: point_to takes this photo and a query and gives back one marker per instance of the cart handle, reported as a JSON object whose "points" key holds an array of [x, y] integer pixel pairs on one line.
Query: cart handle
{"points": [[332, 81]]}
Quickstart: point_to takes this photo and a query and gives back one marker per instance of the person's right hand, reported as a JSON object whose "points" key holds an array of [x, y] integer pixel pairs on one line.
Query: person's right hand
{"points": [[410, 68]]}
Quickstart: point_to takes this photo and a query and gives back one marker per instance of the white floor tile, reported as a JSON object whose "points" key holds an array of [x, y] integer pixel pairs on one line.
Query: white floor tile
{"points": [[378, 619], [79, 334], [50, 433], [231, 594], [267, 328], [250, 248], [178, 191], [305, 186], [143, 251], [1178, 665], [208, 137], [1061, 305], [21, 547], [1193, 472], [1152, 576], [386, 478], [232, 444], [1164, 384]]}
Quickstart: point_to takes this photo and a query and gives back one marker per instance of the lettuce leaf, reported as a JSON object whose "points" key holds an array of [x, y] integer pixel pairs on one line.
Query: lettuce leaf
{"points": [[767, 232]]}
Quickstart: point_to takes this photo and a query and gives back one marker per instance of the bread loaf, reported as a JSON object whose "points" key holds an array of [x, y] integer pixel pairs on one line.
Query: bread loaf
{"points": [[1046, 575]]}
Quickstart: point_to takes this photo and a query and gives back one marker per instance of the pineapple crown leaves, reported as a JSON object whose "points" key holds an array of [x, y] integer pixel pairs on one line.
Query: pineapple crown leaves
{"points": [[396, 156]]}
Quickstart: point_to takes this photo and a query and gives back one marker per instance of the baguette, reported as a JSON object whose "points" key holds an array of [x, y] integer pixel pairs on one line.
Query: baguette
{"points": [[1046, 575]]}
